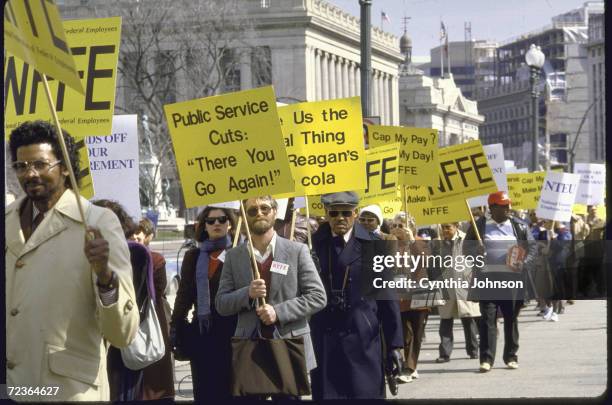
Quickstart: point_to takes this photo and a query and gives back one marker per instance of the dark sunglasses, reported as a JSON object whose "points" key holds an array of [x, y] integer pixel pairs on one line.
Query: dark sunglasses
{"points": [[265, 209], [397, 225], [345, 214], [211, 220], [368, 220]]}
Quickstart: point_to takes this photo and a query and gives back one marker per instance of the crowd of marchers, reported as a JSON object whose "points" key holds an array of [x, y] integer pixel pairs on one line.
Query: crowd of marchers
{"points": [[74, 302]]}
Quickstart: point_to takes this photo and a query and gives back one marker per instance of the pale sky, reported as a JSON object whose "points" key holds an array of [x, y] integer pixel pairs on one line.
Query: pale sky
{"points": [[495, 20]]}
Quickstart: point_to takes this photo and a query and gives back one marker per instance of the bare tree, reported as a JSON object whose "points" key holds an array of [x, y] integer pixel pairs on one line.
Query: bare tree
{"points": [[176, 50]]}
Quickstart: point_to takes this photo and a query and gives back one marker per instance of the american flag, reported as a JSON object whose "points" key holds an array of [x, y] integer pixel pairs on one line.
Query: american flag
{"points": [[385, 17], [442, 31]]}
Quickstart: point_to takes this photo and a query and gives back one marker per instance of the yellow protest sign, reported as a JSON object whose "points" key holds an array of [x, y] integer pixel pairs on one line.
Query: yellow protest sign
{"points": [[324, 141], [418, 151], [463, 172], [229, 147], [33, 32], [315, 206], [581, 209], [524, 189], [390, 208], [84, 177], [381, 175], [427, 213], [81, 115]]}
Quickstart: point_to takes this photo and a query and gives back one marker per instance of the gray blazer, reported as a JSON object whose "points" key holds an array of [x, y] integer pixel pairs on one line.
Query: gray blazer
{"points": [[294, 296]]}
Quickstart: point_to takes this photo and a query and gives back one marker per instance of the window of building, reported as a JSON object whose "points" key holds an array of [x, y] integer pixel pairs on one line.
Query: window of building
{"points": [[230, 69], [166, 75], [261, 66]]}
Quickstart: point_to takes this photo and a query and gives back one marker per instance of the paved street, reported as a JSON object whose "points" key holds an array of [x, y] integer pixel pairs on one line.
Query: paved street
{"points": [[557, 359]]}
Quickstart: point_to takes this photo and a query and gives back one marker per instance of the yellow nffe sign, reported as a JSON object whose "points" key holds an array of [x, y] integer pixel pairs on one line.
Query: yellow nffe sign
{"points": [[524, 189], [381, 175], [426, 213], [34, 33], [463, 172], [324, 142], [79, 114], [418, 162], [229, 147]]}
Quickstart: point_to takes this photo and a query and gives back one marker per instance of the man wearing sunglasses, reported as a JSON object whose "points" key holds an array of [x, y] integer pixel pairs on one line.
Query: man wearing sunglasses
{"points": [[65, 296], [346, 334], [288, 280]]}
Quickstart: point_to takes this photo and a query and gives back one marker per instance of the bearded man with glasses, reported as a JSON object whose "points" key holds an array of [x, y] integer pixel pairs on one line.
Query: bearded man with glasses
{"points": [[289, 281], [65, 295], [347, 334]]}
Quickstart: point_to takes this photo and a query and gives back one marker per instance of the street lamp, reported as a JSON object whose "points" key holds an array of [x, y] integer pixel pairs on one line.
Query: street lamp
{"points": [[535, 60]]}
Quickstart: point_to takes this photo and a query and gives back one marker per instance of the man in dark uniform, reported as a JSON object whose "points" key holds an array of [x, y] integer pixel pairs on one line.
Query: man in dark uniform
{"points": [[346, 334]]}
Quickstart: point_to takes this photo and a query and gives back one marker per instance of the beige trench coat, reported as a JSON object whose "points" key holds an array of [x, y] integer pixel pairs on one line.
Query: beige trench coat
{"points": [[55, 321], [457, 305]]}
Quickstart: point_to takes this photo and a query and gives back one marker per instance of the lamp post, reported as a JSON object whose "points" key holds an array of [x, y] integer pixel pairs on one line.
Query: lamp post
{"points": [[535, 60], [366, 57]]}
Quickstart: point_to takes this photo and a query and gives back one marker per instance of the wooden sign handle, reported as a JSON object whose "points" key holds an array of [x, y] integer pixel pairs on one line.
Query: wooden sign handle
{"points": [[261, 301]]}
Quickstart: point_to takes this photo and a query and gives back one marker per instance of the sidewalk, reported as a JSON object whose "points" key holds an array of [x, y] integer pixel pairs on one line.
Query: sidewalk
{"points": [[557, 359]]}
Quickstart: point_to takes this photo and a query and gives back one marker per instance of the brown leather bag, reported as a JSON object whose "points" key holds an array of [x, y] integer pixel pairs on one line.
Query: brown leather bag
{"points": [[262, 366]]}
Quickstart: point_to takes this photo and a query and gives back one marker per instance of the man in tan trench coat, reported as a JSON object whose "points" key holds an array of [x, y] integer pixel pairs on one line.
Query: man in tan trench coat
{"points": [[457, 305], [64, 295]]}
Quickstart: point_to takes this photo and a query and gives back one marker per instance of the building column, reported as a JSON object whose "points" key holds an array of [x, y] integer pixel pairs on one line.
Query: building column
{"points": [[324, 76], [375, 109], [395, 105], [331, 69], [357, 75], [318, 80], [387, 87], [383, 98], [345, 79], [246, 79], [338, 68], [351, 78]]}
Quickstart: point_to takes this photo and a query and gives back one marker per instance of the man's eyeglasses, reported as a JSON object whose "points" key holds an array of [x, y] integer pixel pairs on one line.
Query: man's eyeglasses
{"points": [[345, 214], [363, 220], [40, 166], [265, 209], [397, 225], [212, 220]]}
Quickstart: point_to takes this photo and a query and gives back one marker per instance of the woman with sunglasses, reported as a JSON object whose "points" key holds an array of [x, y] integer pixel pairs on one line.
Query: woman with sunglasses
{"points": [[371, 218], [206, 341]]}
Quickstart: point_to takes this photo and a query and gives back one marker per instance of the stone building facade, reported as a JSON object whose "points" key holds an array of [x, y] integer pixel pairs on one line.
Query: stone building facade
{"points": [[596, 60]]}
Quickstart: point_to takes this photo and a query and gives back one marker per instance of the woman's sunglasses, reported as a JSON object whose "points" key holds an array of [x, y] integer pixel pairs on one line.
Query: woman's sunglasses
{"points": [[395, 225], [212, 220], [363, 220]]}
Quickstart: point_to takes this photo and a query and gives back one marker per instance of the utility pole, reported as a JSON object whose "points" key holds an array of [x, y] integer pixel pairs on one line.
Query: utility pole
{"points": [[366, 57]]}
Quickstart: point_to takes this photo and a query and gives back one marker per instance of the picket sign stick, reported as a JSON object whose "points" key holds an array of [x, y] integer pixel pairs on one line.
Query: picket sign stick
{"points": [[262, 300], [308, 222], [66, 158], [237, 235], [293, 218], [467, 204]]}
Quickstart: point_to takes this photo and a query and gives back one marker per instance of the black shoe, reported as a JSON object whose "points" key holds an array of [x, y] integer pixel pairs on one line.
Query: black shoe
{"points": [[473, 356], [442, 360]]}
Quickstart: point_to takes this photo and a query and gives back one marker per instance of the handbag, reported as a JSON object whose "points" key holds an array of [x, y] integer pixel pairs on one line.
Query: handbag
{"points": [[431, 297], [262, 366], [148, 346]]}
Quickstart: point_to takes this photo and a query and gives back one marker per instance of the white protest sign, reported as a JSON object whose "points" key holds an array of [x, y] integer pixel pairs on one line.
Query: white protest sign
{"points": [[281, 211], [113, 161], [592, 183], [299, 202], [513, 169], [509, 164], [558, 195], [495, 157]]}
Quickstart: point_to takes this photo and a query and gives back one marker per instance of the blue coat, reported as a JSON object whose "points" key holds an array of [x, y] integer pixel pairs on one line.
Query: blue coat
{"points": [[348, 344]]}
